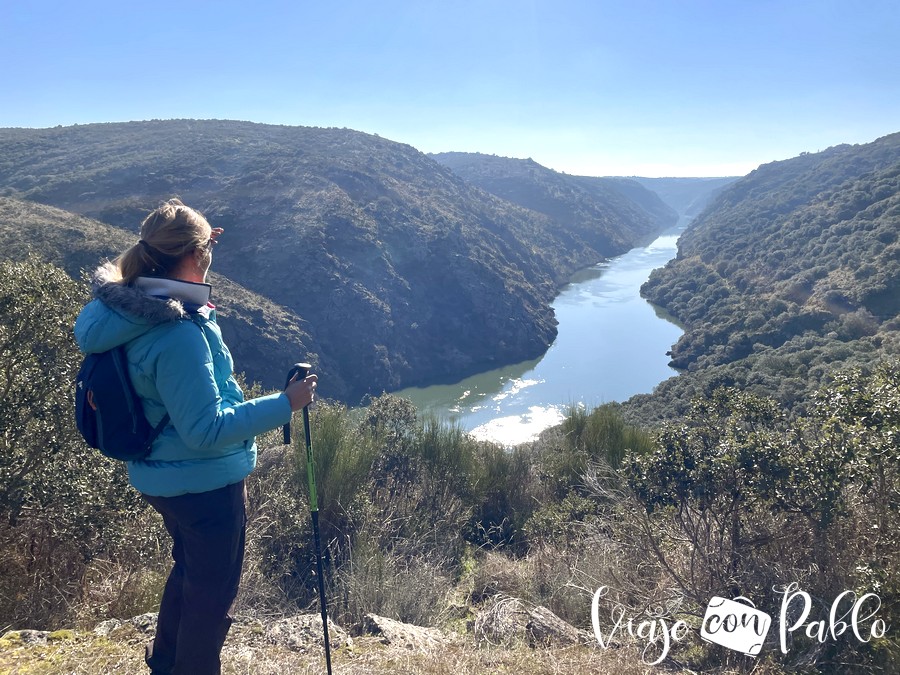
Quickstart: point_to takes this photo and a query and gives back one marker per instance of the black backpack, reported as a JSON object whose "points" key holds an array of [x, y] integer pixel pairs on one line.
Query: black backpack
{"points": [[108, 411]]}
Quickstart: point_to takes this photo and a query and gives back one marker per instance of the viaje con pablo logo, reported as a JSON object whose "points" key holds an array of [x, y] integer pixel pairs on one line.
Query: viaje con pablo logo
{"points": [[738, 625]]}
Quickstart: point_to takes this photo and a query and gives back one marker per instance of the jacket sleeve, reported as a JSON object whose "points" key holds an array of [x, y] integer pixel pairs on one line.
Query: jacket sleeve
{"points": [[187, 387]]}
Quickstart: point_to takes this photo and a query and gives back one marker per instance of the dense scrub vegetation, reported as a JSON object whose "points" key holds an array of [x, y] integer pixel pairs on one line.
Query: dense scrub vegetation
{"points": [[425, 524], [71, 532], [793, 268]]}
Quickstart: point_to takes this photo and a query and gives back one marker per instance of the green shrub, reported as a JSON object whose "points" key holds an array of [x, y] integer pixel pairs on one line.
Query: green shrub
{"points": [[279, 557], [343, 455], [739, 499], [509, 490], [393, 492], [603, 434], [64, 508]]}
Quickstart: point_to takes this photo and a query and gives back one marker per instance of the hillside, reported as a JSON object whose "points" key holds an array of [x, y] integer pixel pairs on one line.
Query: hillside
{"points": [[793, 270], [609, 213], [400, 272]]}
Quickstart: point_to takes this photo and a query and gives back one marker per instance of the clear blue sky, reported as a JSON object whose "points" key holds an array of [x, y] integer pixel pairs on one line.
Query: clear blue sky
{"points": [[633, 87]]}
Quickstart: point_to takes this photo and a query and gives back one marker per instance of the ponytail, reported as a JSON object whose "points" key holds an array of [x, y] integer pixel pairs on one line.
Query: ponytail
{"points": [[167, 235]]}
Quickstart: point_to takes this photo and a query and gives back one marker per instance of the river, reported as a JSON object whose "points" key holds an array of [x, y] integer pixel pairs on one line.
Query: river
{"points": [[611, 345]]}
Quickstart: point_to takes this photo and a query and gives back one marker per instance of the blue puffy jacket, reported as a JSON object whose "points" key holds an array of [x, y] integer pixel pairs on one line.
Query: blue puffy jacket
{"points": [[180, 366]]}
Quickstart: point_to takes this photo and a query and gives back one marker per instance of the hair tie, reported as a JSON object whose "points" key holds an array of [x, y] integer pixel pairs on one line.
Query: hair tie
{"points": [[146, 246]]}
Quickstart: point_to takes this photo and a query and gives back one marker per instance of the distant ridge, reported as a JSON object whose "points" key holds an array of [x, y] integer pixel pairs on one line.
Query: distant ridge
{"points": [[688, 196], [609, 213]]}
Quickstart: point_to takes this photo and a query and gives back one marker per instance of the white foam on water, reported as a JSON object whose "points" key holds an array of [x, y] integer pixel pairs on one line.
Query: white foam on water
{"points": [[516, 429], [514, 387]]}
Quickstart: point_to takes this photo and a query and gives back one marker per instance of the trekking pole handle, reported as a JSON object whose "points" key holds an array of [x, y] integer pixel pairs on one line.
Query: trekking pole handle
{"points": [[301, 370]]}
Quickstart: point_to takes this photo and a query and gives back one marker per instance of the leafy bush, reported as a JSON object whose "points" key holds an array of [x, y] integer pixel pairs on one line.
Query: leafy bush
{"points": [[68, 514], [738, 499]]}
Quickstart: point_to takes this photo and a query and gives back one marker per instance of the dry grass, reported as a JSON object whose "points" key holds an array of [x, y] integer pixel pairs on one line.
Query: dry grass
{"points": [[84, 653]]}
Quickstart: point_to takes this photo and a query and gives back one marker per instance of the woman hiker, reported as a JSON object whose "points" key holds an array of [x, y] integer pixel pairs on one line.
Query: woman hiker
{"points": [[154, 299]]}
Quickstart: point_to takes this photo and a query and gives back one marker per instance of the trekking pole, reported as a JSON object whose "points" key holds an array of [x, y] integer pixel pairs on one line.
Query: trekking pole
{"points": [[301, 370]]}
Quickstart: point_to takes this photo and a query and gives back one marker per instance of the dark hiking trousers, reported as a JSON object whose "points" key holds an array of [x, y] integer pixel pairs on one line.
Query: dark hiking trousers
{"points": [[208, 548]]}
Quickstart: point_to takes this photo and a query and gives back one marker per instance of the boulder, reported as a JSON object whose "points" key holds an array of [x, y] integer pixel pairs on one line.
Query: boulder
{"points": [[35, 637], [145, 623], [399, 634], [545, 629], [104, 628], [506, 621], [303, 632], [501, 622], [26, 637], [298, 633]]}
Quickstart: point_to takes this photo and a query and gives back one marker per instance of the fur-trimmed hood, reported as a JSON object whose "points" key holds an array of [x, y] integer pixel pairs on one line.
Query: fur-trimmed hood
{"points": [[120, 313], [133, 300]]}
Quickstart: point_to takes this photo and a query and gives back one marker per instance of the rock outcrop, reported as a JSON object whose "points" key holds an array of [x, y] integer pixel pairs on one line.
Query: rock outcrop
{"points": [[506, 621], [398, 634]]}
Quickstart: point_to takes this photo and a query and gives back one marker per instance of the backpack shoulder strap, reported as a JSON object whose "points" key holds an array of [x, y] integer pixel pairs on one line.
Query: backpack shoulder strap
{"points": [[157, 430]]}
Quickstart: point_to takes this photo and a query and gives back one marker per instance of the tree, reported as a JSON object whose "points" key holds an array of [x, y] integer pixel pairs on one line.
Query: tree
{"points": [[38, 363]]}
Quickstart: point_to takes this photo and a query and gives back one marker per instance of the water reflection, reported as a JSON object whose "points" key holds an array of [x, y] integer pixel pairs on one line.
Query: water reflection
{"points": [[611, 345]]}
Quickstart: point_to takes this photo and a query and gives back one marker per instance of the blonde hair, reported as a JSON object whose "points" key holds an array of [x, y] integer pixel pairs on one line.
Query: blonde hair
{"points": [[168, 233]]}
